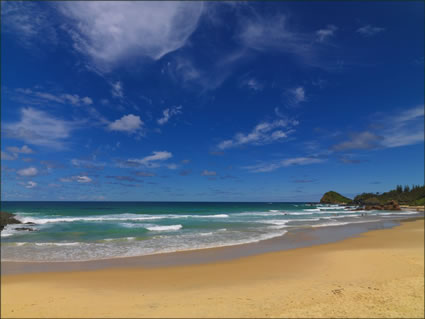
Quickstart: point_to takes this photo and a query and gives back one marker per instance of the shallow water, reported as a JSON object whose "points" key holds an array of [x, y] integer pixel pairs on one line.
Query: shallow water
{"points": [[77, 231]]}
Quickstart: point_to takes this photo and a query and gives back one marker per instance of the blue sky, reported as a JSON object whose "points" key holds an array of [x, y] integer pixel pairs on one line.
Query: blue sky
{"points": [[209, 101]]}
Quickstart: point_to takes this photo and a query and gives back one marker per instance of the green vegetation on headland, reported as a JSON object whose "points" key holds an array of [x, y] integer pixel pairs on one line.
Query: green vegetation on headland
{"points": [[413, 196], [332, 197]]}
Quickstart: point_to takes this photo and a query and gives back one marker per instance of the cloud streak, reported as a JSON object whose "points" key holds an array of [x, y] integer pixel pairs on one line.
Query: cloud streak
{"points": [[269, 167], [263, 133]]}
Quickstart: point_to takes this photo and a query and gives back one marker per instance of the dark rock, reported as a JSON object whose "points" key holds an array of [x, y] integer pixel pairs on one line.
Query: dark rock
{"points": [[24, 228], [391, 205], [6, 219]]}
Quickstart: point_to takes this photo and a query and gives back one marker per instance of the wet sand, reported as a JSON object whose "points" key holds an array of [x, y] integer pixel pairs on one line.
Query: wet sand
{"points": [[378, 274]]}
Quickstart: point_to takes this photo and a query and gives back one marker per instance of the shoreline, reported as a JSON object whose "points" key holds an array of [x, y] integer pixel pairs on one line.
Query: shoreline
{"points": [[376, 274], [292, 239]]}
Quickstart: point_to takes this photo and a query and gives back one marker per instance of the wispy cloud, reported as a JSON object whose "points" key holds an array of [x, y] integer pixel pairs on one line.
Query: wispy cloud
{"points": [[271, 166], [324, 34], [29, 22], [8, 157], [209, 76], [208, 173], [29, 184], [263, 133], [264, 33], [393, 130], [111, 32], [369, 30], [83, 179], [61, 98], [152, 161], [88, 164], [28, 172], [125, 178], [128, 123], [185, 172], [361, 141], [145, 174], [252, 83], [20, 150], [169, 113], [296, 95], [117, 89], [39, 128]]}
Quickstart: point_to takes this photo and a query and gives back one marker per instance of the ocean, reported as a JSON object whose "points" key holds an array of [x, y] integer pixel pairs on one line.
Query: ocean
{"points": [[78, 231]]}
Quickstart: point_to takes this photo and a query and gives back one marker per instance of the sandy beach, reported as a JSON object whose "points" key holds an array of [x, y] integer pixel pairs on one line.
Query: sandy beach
{"points": [[378, 274]]}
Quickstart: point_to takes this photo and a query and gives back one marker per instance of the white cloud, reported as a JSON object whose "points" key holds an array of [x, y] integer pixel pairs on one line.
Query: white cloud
{"points": [[208, 173], [26, 172], [268, 167], [369, 30], [82, 179], [263, 133], [110, 32], [23, 150], [151, 160], [39, 128], [324, 34], [168, 113], [128, 123], [29, 184]]}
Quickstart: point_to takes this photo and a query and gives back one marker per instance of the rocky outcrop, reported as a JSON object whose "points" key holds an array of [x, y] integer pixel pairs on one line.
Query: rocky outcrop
{"points": [[6, 219], [332, 197], [391, 205]]}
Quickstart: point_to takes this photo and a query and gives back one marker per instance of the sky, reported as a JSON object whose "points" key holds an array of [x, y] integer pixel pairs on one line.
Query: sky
{"points": [[210, 101]]}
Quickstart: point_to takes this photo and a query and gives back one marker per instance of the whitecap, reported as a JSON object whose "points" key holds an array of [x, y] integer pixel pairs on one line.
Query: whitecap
{"points": [[161, 228]]}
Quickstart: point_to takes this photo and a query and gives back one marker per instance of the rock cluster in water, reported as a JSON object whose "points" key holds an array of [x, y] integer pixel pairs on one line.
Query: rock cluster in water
{"points": [[9, 219]]}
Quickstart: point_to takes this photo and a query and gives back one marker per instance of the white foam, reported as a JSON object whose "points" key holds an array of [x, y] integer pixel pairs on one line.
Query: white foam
{"points": [[311, 210], [275, 221], [123, 217], [58, 244], [269, 213], [305, 220], [205, 234], [161, 228], [330, 224], [208, 216], [119, 217]]}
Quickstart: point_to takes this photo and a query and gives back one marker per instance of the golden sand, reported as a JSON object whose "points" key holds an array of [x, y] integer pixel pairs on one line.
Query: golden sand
{"points": [[379, 274]]}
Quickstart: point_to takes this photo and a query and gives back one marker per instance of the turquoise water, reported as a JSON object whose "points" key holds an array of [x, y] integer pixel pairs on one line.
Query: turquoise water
{"points": [[72, 231]]}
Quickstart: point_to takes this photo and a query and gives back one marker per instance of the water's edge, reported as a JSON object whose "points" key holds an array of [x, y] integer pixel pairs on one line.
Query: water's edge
{"points": [[296, 238]]}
